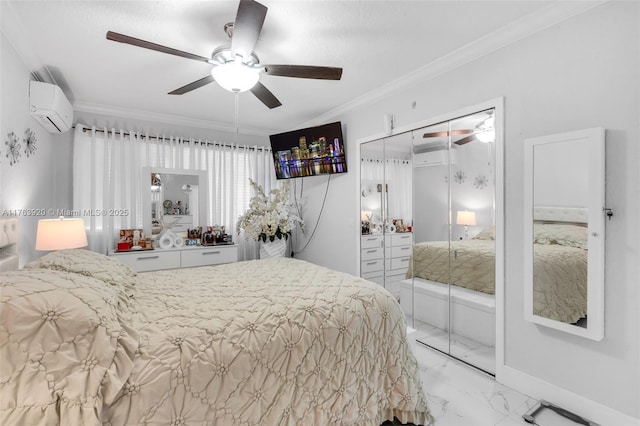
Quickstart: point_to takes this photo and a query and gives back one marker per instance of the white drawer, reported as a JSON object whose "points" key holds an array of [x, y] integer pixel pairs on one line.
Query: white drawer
{"points": [[401, 251], [152, 260], [370, 254], [395, 275], [213, 255], [370, 241], [401, 239], [400, 263], [375, 277], [371, 266]]}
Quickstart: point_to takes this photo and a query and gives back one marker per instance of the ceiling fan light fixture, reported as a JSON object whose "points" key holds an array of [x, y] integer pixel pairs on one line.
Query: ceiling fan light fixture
{"points": [[486, 136], [486, 132], [235, 76]]}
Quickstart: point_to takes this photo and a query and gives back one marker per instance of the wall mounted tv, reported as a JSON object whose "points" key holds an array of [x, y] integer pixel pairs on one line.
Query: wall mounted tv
{"points": [[309, 152]]}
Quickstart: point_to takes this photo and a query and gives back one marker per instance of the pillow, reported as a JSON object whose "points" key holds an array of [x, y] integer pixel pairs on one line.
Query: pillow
{"points": [[486, 234], [564, 234], [89, 263]]}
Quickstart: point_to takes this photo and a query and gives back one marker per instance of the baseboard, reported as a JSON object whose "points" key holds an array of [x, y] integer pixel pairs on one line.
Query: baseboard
{"points": [[539, 389]]}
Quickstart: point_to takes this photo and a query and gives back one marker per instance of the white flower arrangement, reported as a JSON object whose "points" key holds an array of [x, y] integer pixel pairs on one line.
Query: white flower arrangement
{"points": [[271, 217]]}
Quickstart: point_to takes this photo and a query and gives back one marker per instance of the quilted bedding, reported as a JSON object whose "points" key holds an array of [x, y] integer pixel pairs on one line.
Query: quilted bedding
{"points": [[559, 282], [467, 263], [270, 342]]}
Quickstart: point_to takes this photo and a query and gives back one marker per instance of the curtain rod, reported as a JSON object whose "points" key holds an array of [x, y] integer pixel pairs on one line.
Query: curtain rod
{"points": [[200, 141]]}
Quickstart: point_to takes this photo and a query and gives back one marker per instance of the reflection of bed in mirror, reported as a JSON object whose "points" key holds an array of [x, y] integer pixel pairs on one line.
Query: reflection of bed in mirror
{"points": [[560, 263], [560, 276], [469, 266], [465, 263]]}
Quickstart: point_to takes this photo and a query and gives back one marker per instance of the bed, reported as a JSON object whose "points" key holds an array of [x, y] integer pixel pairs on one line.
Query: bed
{"points": [[560, 264], [465, 263], [84, 340]]}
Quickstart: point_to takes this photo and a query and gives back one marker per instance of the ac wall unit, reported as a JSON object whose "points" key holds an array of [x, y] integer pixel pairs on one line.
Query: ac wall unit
{"points": [[50, 107], [434, 158]]}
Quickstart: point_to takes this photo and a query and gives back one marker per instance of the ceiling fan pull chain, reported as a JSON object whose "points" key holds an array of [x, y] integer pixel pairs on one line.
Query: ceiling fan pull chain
{"points": [[237, 116]]}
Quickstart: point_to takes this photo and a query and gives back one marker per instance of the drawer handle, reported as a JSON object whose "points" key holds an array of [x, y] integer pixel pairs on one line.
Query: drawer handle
{"points": [[372, 251], [372, 263], [147, 258], [404, 260], [211, 252], [371, 239], [405, 248]]}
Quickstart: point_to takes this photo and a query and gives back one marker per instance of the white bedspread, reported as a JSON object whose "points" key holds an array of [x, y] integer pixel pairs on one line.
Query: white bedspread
{"points": [[467, 263], [270, 342], [559, 282]]}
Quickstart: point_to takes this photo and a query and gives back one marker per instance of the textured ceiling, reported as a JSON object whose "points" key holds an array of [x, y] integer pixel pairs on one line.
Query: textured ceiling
{"points": [[375, 42]]}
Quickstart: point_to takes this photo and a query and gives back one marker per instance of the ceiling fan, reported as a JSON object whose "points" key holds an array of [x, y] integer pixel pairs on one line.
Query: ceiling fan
{"points": [[484, 131], [236, 67]]}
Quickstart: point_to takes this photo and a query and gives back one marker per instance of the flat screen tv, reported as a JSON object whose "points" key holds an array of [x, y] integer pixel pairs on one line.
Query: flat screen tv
{"points": [[312, 151]]}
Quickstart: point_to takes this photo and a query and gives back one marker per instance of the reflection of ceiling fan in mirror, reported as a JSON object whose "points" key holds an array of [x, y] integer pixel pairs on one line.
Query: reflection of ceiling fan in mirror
{"points": [[236, 67], [484, 132]]}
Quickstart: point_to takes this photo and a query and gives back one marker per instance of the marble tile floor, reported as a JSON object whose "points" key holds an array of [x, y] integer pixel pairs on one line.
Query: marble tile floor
{"points": [[468, 350], [459, 395]]}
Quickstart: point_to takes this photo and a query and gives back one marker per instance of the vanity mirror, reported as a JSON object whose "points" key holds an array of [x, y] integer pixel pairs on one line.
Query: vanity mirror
{"points": [[564, 235], [167, 187]]}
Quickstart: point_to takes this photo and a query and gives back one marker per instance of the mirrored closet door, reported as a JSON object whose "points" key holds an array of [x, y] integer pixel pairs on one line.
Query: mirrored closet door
{"points": [[386, 211], [453, 263]]}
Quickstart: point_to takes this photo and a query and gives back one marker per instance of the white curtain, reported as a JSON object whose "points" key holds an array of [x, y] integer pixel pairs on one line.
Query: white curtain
{"points": [[108, 192], [397, 173]]}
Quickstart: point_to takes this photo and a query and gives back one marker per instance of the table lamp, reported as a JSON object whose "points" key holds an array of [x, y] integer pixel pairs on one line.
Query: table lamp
{"points": [[60, 234], [466, 218]]}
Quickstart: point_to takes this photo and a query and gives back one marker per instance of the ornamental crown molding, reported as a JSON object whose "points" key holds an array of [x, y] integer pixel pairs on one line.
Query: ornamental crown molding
{"points": [[517, 30]]}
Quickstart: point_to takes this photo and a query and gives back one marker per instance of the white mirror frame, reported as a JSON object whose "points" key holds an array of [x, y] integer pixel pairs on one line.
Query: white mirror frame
{"points": [[594, 141], [145, 179]]}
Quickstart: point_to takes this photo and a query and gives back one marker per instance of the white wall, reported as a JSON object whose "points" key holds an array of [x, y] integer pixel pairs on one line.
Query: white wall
{"points": [[578, 74], [41, 181]]}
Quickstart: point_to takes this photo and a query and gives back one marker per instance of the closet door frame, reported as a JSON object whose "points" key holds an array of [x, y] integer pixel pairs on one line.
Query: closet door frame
{"points": [[498, 105]]}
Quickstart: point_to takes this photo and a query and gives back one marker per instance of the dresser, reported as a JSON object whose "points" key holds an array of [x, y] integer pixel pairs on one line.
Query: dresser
{"points": [[398, 249], [182, 257], [384, 259], [372, 258]]}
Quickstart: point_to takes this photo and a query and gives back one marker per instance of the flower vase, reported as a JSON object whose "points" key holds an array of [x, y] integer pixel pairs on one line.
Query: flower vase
{"points": [[275, 248]]}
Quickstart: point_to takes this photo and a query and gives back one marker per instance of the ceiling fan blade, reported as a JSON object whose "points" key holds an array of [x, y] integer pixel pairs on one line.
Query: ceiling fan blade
{"points": [[265, 96], [446, 133], [153, 46], [247, 27], [304, 71], [192, 86], [465, 140]]}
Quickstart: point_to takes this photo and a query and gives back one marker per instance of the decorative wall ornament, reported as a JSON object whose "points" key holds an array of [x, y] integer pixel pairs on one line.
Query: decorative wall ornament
{"points": [[30, 142], [13, 148], [480, 182], [460, 177]]}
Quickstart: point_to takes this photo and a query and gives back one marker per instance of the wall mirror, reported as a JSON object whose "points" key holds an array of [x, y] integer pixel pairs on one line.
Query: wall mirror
{"points": [[175, 197], [431, 209], [564, 231]]}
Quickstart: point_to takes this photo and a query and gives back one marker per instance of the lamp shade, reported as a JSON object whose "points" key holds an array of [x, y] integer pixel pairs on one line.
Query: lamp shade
{"points": [[60, 234], [466, 218]]}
